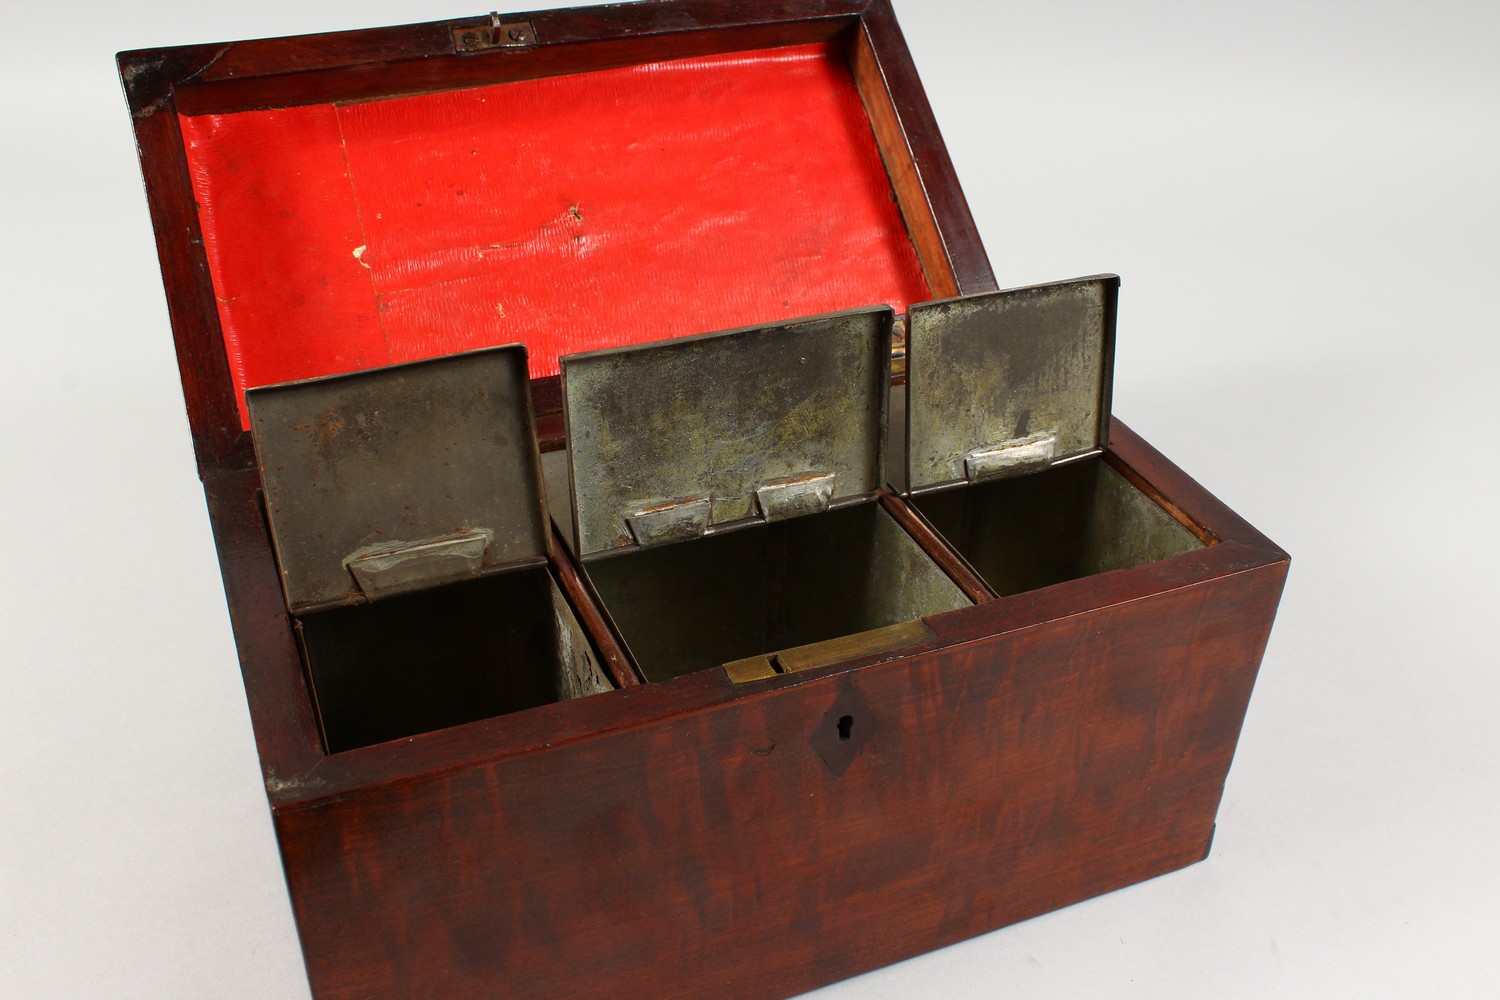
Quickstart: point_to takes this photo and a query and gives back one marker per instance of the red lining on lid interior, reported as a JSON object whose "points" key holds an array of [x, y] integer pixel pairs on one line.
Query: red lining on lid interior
{"points": [[568, 213]]}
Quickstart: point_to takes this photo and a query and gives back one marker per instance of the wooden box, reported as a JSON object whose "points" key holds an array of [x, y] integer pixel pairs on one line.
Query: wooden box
{"points": [[486, 786]]}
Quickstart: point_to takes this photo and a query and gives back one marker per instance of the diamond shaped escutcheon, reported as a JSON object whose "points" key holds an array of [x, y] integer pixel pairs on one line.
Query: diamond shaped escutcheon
{"points": [[844, 730]]}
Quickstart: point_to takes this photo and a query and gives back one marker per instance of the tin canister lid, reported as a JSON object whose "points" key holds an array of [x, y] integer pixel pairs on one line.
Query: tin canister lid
{"points": [[400, 478], [1002, 383], [682, 438]]}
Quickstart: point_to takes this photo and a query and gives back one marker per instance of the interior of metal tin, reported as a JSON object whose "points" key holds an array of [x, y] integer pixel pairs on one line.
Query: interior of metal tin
{"points": [[693, 605], [442, 657], [715, 419], [1059, 524], [990, 375], [400, 462]]}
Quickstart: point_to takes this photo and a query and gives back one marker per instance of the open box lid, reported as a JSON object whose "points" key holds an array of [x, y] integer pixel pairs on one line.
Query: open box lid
{"points": [[333, 203], [400, 478], [681, 438], [1003, 383]]}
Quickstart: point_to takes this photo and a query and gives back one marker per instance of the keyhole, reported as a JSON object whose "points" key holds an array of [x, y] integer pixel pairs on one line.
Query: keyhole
{"points": [[846, 725]]}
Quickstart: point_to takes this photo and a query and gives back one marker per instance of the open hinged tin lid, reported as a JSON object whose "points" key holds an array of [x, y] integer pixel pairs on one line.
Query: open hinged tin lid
{"points": [[677, 439], [1002, 383], [400, 478]]}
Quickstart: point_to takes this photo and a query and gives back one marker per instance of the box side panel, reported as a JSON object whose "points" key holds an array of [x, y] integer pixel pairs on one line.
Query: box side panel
{"points": [[718, 851]]}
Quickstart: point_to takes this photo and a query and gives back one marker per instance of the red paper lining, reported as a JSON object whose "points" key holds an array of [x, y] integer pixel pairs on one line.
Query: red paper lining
{"points": [[568, 213]]}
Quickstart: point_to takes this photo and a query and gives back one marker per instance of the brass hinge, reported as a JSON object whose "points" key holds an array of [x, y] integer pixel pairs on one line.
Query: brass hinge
{"points": [[495, 35]]}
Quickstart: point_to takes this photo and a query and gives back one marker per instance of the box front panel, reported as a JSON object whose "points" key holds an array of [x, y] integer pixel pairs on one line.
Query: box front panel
{"points": [[803, 832]]}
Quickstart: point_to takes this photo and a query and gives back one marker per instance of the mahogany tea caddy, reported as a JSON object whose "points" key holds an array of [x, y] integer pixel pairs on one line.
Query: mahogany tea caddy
{"points": [[690, 707]]}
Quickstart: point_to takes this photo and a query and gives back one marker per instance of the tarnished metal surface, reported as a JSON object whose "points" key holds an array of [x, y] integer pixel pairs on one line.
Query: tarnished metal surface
{"points": [[579, 673], [751, 668], [723, 414], [497, 34], [677, 521], [990, 371], [847, 647], [1128, 528], [391, 567], [795, 495], [829, 651], [393, 458], [1010, 456]]}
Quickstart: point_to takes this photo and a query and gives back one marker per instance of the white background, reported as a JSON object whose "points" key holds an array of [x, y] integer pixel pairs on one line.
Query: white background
{"points": [[1302, 201]]}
